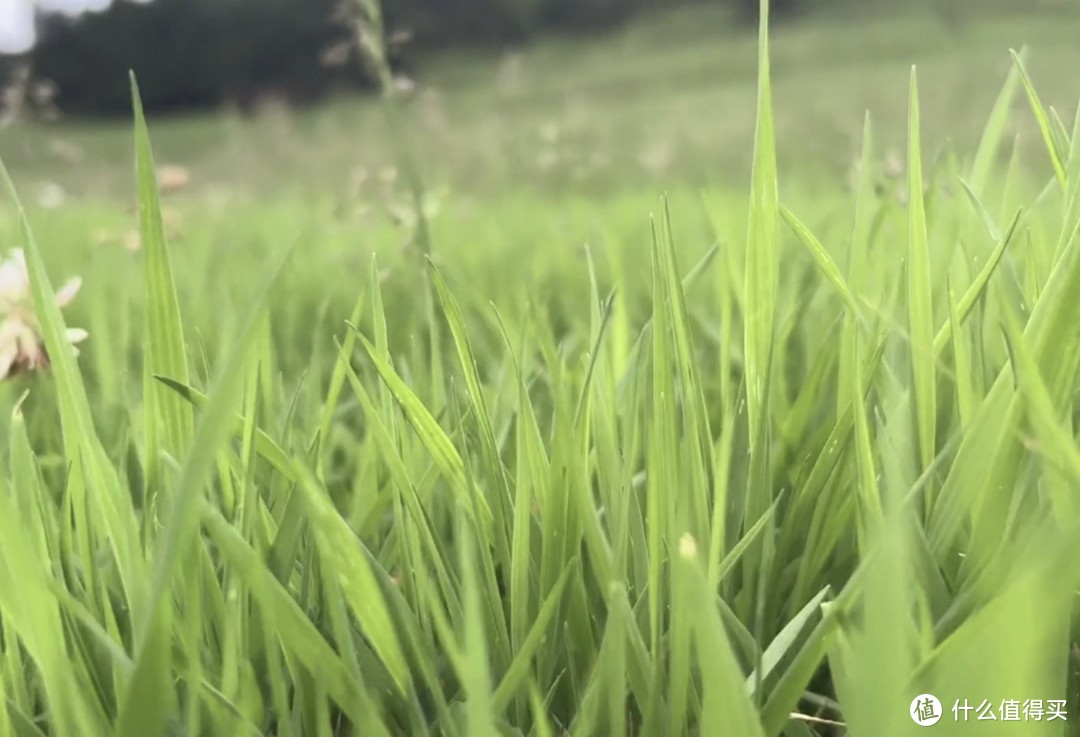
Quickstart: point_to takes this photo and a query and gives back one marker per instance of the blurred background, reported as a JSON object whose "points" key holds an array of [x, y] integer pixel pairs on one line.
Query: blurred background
{"points": [[582, 94]]}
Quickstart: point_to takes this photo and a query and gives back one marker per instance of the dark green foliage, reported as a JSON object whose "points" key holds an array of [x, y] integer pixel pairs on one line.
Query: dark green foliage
{"points": [[189, 53], [200, 53]]}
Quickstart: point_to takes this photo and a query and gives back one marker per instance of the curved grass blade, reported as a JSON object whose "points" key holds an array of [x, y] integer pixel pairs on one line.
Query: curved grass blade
{"points": [[994, 131], [824, 261], [1055, 147], [265, 446], [518, 671], [976, 289], [337, 379], [341, 553], [433, 437]]}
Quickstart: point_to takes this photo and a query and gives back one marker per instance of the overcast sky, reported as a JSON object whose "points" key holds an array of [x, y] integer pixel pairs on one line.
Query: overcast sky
{"points": [[17, 19]]}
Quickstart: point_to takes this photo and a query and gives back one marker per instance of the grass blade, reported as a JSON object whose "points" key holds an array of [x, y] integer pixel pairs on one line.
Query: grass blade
{"points": [[165, 348], [920, 291]]}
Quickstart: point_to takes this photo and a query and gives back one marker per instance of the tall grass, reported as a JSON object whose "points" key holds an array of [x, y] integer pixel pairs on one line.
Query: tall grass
{"points": [[782, 490]]}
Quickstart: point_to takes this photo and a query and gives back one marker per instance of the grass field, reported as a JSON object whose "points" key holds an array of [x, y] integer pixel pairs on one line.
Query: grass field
{"points": [[698, 402]]}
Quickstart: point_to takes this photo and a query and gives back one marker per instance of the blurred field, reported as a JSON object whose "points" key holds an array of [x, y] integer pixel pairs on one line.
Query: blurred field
{"points": [[709, 467], [664, 102], [529, 157]]}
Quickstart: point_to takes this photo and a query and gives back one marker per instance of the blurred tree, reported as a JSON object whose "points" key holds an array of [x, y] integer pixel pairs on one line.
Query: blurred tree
{"points": [[198, 53], [188, 53]]}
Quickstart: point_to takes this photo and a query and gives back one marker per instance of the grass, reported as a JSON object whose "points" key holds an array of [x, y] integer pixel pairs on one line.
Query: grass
{"points": [[577, 118], [759, 465]]}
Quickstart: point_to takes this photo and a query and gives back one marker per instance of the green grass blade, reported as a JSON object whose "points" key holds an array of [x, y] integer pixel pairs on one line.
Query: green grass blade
{"points": [[786, 643], [822, 259], [920, 292], [428, 431], [965, 390], [166, 353], [299, 637], [518, 671], [141, 713], [95, 485], [341, 554], [726, 709], [994, 131], [1055, 147], [337, 380], [480, 712], [265, 446], [976, 289], [762, 259], [858, 256]]}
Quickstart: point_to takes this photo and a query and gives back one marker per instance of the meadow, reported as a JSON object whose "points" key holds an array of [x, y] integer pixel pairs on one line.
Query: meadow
{"points": [[684, 381]]}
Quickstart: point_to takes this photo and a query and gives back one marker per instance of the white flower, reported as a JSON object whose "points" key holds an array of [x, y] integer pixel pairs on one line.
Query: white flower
{"points": [[22, 348], [14, 281]]}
